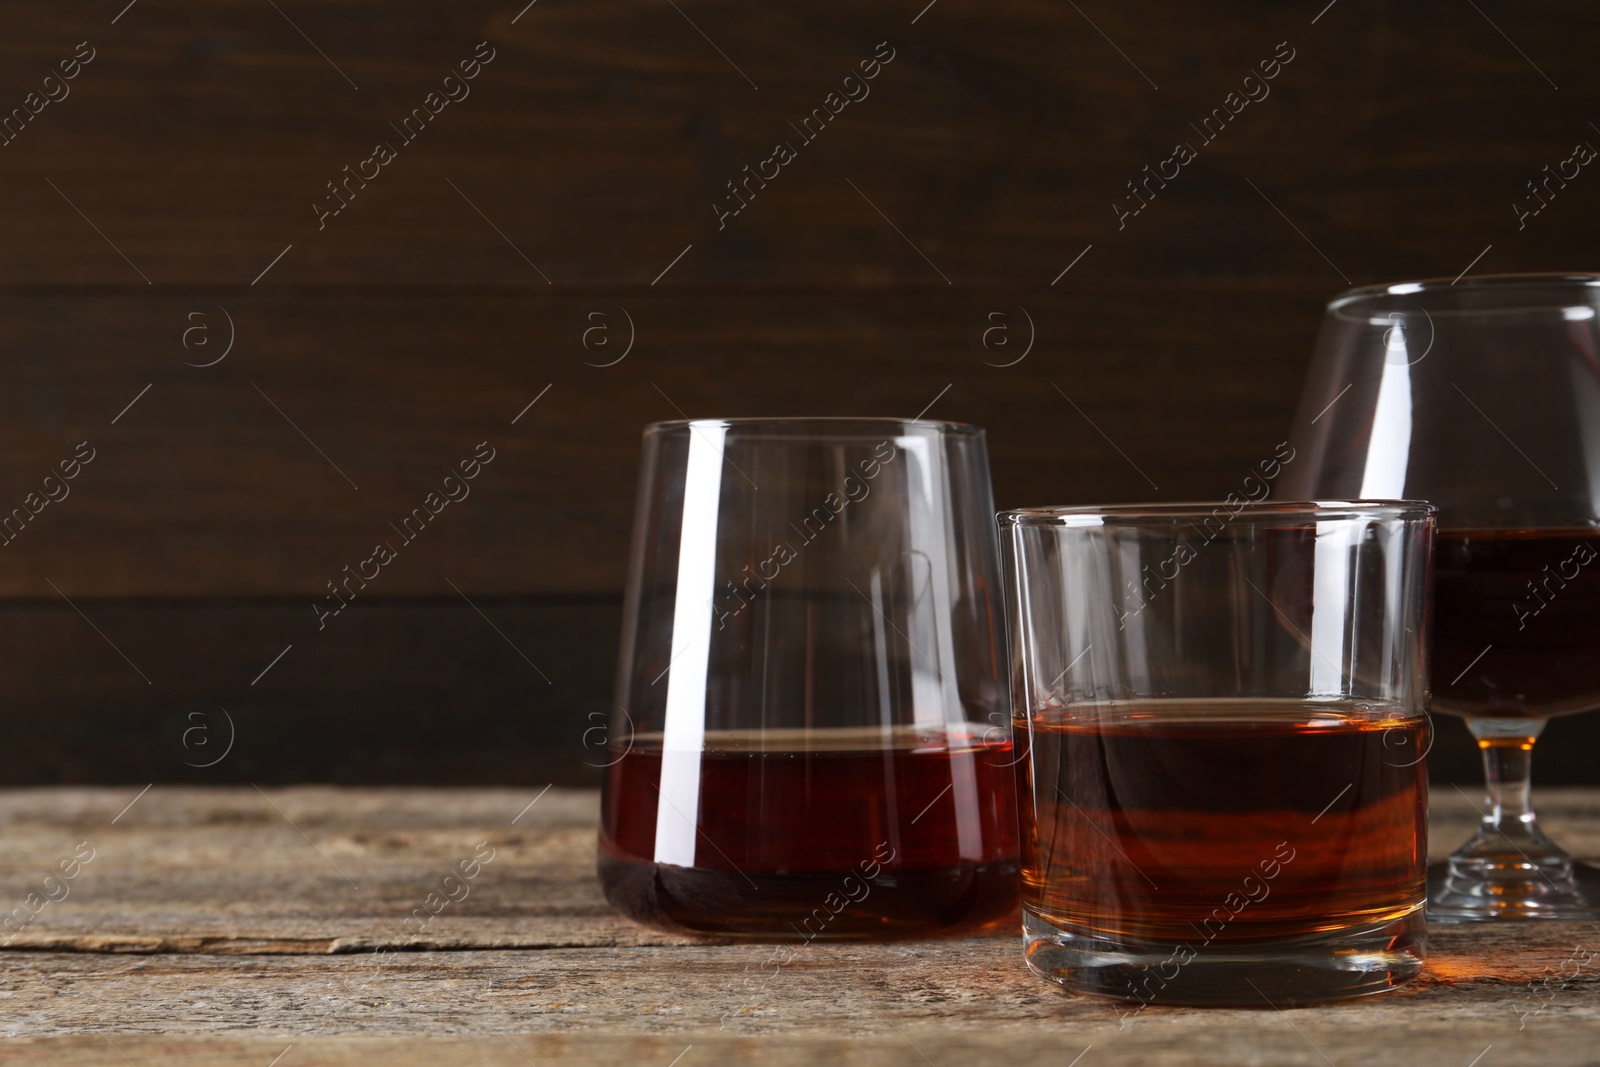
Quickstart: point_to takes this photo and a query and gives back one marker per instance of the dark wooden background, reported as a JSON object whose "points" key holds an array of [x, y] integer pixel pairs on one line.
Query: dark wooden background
{"points": [[456, 288]]}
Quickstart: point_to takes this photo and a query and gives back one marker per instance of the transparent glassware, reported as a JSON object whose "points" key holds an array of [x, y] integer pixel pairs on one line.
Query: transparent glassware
{"points": [[1221, 714], [1482, 396], [811, 739]]}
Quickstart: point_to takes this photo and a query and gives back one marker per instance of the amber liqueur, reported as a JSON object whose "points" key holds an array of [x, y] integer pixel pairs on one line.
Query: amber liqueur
{"points": [[821, 834], [1516, 622], [1218, 824]]}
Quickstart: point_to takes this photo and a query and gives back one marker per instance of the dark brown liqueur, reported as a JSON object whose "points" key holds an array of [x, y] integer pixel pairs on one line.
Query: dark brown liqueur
{"points": [[1223, 823], [1531, 598], [830, 834]]}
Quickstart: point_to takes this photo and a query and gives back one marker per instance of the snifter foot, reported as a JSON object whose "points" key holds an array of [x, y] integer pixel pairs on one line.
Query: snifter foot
{"points": [[1510, 869], [1483, 889]]}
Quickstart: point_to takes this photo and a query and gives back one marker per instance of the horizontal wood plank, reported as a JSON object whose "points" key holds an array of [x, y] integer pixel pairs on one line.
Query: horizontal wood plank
{"points": [[333, 418], [329, 870], [427, 692], [594, 146], [503, 691], [249, 915], [1206, 1042]]}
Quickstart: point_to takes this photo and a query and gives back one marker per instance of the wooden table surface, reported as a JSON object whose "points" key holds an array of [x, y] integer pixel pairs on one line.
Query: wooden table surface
{"points": [[233, 926]]}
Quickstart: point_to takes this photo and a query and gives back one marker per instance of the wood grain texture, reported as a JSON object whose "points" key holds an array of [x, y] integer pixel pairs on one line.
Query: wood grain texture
{"points": [[1395, 142], [1211, 1042], [425, 691], [378, 346], [206, 928], [601, 134], [331, 870], [266, 474]]}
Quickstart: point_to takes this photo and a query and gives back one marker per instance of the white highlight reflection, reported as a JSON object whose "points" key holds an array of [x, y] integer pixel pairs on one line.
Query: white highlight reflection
{"points": [[1389, 447], [1332, 604], [677, 816]]}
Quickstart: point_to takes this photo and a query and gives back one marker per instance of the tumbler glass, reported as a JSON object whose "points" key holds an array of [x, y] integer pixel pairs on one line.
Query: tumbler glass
{"points": [[811, 738], [1222, 714]]}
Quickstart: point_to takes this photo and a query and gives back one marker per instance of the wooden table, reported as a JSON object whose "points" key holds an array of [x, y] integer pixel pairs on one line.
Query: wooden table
{"points": [[233, 926]]}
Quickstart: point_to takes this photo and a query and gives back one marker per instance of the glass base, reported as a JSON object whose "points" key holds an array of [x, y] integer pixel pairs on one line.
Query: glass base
{"points": [[1475, 889], [1307, 970], [834, 905]]}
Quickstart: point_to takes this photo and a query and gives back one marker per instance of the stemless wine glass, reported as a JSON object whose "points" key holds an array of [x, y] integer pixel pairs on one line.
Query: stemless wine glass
{"points": [[1482, 396], [811, 739]]}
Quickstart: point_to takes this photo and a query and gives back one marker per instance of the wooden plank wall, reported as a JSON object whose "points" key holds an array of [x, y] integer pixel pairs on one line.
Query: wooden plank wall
{"points": [[170, 202]]}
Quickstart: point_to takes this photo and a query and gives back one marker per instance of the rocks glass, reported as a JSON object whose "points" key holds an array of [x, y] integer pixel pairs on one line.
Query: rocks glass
{"points": [[1222, 710], [811, 737]]}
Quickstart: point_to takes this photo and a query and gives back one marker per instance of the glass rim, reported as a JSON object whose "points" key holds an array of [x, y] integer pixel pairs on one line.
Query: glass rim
{"points": [[823, 425], [1248, 510], [1495, 282]]}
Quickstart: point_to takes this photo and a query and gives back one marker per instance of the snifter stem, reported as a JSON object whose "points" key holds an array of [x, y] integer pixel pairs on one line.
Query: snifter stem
{"points": [[1508, 771], [1510, 829]]}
